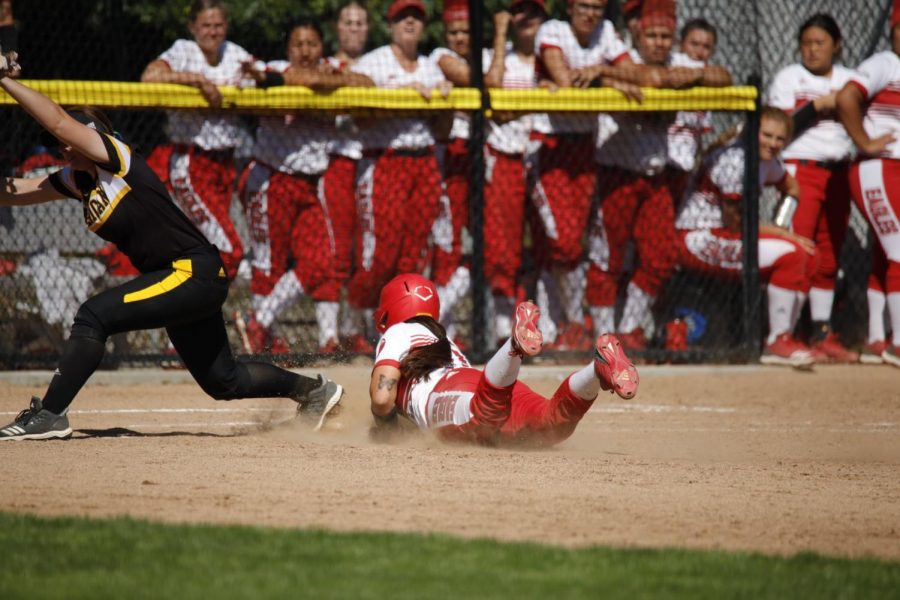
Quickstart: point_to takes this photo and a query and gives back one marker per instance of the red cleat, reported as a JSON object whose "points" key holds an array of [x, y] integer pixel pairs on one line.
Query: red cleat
{"points": [[786, 350], [331, 347], [358, 344], [871, 354], [634, 340], [527, 338], [613, 369], [834, 350]]}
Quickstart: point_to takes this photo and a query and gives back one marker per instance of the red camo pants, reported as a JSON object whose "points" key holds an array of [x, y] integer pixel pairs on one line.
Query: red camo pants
{"points": [[398, 198], [875, 187], [562, 190], [286, 220], [504, 211], [339, 183], [823, 213], [201, 184], [515, 415], [719, 252], [638, 208], [456, 185]]}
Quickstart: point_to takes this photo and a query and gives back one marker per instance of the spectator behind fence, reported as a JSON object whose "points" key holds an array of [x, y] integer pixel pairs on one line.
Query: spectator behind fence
{"points": [[181, 287], [399, 183], [569, 53], [698, 40], [819, 158], [642, 159], [868, 107], [197, 165], [422, 376], [709, 233], [509, 64], [282, 192], [631, 15], [447, 269], [339, 180]]}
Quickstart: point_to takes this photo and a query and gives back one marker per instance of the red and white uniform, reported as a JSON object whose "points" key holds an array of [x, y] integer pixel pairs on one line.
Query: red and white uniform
{"points": [[819, 159], [706, 245], [561, 158], [875, 182], [458, 403], [638, 179], [198, 166], [282, 194], [504, 190], [399, 187], [453, 158]]}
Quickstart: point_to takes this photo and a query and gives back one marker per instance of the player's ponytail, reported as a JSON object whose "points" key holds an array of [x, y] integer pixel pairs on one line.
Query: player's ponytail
{"points": [[421, 361]]}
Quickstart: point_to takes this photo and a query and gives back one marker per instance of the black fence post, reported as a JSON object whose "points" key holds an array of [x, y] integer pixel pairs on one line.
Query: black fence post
{"points": [[479, 337], [750, 231]]}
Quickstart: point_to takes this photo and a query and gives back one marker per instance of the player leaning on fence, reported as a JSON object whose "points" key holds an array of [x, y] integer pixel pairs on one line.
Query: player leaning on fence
{"points": [[182, 284]]}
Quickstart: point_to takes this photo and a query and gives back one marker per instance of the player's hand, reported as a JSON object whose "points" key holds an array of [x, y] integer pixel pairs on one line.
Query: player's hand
{"points": [[876, 146], [249, 71], [629, 90], [825, 104], [210, 92], [444, 88], [547, 84], [582, 78], [9, 67]]}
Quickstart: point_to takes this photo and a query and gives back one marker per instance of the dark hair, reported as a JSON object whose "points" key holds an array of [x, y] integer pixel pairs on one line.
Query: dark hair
{"points": [[823, 21], [198, 6], [702, 25], [421, 361], [357, 4], [305, 23]]}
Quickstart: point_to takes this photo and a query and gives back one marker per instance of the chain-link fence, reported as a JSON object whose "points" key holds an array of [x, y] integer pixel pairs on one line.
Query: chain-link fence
{"points": [[612, 215]]}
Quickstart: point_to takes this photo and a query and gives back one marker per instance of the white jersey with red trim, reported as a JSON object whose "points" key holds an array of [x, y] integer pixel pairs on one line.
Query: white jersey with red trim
{"points": [[345, 139], [878, 77], [210, 131], [722, 178], [511, 137], [826, 139], [647, 142], [462, 121], [412, 396], [293, 143], [405, 133], [605, 47]]}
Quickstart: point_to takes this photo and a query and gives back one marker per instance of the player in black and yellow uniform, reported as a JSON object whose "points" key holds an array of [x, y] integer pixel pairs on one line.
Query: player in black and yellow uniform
{"points": [[181, 287]]}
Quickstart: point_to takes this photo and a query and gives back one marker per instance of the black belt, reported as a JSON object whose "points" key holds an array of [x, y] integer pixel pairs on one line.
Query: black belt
{"points": [[831, 165]]}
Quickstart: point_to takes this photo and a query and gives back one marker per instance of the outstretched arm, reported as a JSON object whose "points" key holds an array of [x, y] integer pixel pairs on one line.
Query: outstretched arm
{"points": [[383, 391], [22, 192], [849, 105], [159, 71], [55, 120]]}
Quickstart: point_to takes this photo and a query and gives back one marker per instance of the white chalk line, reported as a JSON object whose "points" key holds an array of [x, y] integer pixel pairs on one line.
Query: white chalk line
{"points": [[124, 411]]}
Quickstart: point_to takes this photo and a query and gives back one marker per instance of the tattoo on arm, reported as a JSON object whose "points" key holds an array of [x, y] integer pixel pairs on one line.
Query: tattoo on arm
{"points": [[385, 383]]}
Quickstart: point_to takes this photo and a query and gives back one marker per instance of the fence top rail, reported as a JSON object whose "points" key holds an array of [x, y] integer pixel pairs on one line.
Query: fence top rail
{"points": [[135, 95]]}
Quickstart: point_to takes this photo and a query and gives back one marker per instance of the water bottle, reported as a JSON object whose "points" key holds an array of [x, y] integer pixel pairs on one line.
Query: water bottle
{"points": [[784, 216]]}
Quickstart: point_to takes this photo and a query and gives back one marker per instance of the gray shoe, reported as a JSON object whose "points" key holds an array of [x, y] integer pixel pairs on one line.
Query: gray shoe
{"points": [[35, 423], [320, 402]]}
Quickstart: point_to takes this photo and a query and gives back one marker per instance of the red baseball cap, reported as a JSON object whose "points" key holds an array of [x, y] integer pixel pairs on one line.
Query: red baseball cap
{"points": [[456, 10], [631, 7], [658, 13], [400, 5], [539, 3]]}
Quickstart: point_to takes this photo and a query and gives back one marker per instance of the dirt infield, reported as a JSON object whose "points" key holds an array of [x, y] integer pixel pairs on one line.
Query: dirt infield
{"points": [[740, 458]]}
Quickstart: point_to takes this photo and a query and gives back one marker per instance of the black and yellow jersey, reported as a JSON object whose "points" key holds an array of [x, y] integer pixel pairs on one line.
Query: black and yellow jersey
{"points": [[129, 206]]}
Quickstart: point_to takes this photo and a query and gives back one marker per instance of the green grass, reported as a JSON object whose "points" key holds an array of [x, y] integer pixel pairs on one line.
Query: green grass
{"points": [[126, 558]]}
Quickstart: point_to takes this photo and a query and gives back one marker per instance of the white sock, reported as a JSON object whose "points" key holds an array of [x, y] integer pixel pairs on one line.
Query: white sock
{"points": [[820, 301], [546, 323], [637, 305], [893, 303], [327, 319], [584, 383], [287, 290], [877, 301], [604, 318], [781, 308], [503, 310], [502, 369]]}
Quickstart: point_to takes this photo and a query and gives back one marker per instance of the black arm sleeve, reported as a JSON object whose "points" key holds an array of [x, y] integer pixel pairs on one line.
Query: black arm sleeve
{"points": [[272, 79], [804, 117]]}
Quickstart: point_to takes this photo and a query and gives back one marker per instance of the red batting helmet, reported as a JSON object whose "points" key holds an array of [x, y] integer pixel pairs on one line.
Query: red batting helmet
{"points": [[404, 297]]}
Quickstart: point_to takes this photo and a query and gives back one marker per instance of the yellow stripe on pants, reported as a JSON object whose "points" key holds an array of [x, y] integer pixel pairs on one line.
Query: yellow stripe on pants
{"points": [[183, 272]]}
